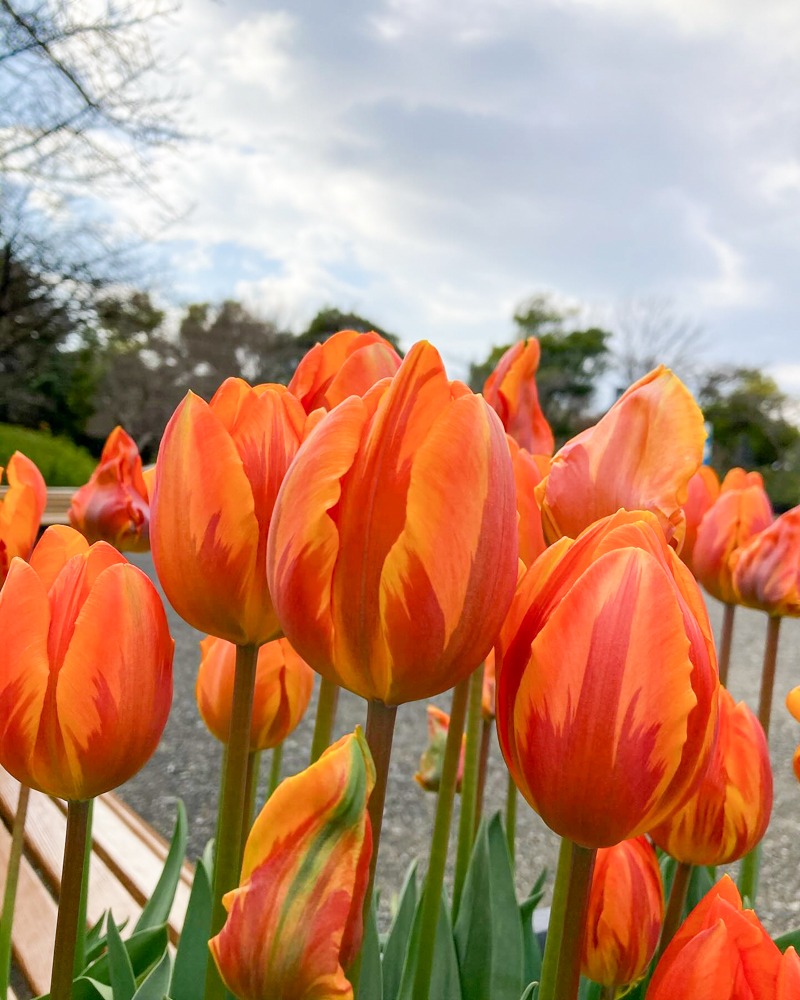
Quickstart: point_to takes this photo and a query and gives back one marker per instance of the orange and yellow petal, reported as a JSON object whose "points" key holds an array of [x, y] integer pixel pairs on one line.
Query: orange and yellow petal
{"points": [[21, 510], [53, 551], [766, 571], [511, 391]]}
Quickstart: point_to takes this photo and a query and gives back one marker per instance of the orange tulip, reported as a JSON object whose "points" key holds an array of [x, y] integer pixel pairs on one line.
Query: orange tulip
{"points": [[21, 510], [294, 923], [736, 517], [393, 551], [511, 390], [721, 952], [789, 976], [793, 704], [766, 571], [113, 506], [85, 669], [284, 684], [738, 479], [639, 456], [218, 473], [703, 491], [489, 688], [528, 473], [626, 909], [729, 813], [607, 728], [429, 775], [347, 364]]}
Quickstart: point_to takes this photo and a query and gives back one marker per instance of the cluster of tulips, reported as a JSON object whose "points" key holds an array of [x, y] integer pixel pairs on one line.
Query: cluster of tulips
{"points": [[401, 536]]}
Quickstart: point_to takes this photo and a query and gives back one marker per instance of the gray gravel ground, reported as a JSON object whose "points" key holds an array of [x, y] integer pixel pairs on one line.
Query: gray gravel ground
{"points": [[186, 765]]}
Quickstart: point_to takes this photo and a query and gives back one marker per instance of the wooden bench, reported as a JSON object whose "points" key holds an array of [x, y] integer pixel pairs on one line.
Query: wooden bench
{"points": [[126, 861]]}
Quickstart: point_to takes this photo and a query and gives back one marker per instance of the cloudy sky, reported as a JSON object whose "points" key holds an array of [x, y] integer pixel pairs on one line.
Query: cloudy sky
{"points": [[429, 163]]}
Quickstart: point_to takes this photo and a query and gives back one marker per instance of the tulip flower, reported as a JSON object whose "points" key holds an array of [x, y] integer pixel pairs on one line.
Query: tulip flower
{"points": [[793, 704], [639, 456], [85, 669], [489, 687], [739, 479], [21, 510], [393, 550], [529, 471], [789, 976], [219, 470], [347, 364], [704, 489], [284, 684], [626, 908], [511, 391], [766, 571], [729, 813], [114, 506], [431, 762], [294, 924], [608, 728], [721, 952]]}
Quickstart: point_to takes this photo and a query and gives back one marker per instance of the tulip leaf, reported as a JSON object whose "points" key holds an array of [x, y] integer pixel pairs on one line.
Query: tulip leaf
{"points": [[157, 908], [189, 973], [488, 932], [156, 984], [445, 980], [699, 884], [394, 953], [85, 988], [791, 939], [123, 981], [370, 984], [145, 948], [531, 992]]}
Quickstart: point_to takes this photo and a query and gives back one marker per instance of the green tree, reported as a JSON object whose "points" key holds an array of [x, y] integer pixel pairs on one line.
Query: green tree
{"points": [[331, 320], [572, 361]]}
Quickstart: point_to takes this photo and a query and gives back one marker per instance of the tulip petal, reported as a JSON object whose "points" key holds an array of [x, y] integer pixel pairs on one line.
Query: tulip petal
{"points": [[54, 550], [21, 510]]}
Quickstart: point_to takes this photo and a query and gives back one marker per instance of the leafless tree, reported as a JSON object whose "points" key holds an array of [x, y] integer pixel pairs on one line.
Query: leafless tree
{"points": [[649, 331]]}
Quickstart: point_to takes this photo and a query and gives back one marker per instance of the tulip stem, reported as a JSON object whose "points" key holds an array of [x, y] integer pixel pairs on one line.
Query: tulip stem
{"points": [[233, 799], [608, 993], [677, 900], [768, 672], [275, 769], [10, 893], [511, 816], [326, 717], [483, 760], [573, 904], [439, 842], [726, 642], [469, 789], [251, 789], [80, 940], [69, 903], [555, 926], [379, 734]]}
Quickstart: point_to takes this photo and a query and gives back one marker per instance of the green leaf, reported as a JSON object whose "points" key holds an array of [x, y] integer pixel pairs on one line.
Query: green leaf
{"points": [[156, 910], [699, 884], [445, 979], [531, 992], [791, 939], [156, 984], [189, 974], [85, 988], [370, 985], [145, 948], [394, 954], [123, 981], [488, 933]]}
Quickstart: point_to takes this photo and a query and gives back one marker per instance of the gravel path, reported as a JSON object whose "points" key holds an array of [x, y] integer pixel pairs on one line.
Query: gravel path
{"points": [[186, 765]]}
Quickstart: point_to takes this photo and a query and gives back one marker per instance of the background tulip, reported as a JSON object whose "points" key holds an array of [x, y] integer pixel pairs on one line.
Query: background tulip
{"points": [[295, 922], [766, 571], [393, 550], [284, 684], [721, 952], [639, 456], [789, 976], [21, 510], [529, 471], [736, 516], [429, 774], [114, 505], [607, 728], [511, 391], [347, 364], [626, 907], [729, 813], [489, 688], [85, 672], [703, 489], [219, 469]]}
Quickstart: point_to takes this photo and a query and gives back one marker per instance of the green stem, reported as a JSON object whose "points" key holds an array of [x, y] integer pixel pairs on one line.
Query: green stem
{"points": [[326, 717], [555, 927], [69, 904], [251, 788], [748, 876], [469, 788], [80, 940], [439, 842], [511, 816], [608, 993], [275, 769], [483, 761], [227, 866], [726, 642], [580, 884], [677, 900], [10, 894]]}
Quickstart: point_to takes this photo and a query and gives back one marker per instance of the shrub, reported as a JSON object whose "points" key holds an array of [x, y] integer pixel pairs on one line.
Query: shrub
{"points": [[61, 462]]}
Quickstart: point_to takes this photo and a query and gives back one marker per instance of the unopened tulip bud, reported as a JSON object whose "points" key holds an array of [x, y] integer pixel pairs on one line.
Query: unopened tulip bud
{"points": [[766, 571], [511, 391], [431, 763]]}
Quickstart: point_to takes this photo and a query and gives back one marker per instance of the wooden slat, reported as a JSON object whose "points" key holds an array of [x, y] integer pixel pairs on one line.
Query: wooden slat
{"points": [[45, 833], [146, 832], [34, 921]]}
